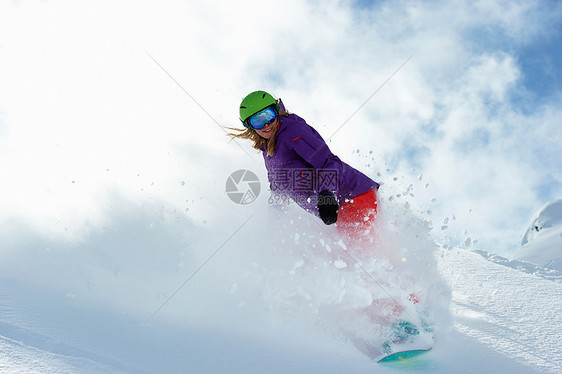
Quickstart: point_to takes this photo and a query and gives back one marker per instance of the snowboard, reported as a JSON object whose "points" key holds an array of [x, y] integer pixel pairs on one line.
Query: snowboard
{"points": [[408, 342], [403, 355]]}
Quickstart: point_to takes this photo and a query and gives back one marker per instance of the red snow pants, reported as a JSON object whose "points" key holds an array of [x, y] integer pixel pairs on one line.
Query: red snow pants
{"points": [[356, 218]]}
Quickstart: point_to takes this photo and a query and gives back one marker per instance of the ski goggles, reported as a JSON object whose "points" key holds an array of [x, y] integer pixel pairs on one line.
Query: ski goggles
{"points": [[262, 118]]}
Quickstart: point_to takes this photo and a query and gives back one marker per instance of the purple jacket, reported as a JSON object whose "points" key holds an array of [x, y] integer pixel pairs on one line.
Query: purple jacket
{"points": [[303, 165]]}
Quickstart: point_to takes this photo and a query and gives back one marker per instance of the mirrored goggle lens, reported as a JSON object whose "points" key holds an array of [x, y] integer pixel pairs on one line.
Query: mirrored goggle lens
{"points": [[260, 119]]}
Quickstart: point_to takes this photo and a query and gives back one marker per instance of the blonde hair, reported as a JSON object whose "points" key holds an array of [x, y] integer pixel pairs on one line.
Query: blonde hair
{"points": [[259, 143]]}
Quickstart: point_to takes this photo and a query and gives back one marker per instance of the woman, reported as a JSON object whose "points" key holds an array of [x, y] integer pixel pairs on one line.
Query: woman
{"points": [[301, 167]]}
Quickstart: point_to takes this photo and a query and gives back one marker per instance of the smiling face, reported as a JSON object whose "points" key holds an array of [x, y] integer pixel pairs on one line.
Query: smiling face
{"points": [[267, 130]]}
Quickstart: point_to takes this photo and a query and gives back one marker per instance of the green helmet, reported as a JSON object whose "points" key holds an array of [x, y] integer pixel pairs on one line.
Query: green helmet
{"points": [[255, 102]]}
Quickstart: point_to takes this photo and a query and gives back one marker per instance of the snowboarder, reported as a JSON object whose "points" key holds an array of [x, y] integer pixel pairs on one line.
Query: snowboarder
{"points": [[301, 167]]}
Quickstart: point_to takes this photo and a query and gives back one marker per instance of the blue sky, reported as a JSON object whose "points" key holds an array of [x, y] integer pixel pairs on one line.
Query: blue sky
{"points": [[541, 63], [87, 115], [538, 56]]}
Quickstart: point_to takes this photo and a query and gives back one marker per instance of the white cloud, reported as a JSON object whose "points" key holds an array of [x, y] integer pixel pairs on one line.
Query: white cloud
{"points": [[87, 113]]}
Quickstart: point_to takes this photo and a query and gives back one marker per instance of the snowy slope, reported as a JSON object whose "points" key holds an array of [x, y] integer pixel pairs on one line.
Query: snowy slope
{"points": [[253, 308], [506, 309], [504, 321]]}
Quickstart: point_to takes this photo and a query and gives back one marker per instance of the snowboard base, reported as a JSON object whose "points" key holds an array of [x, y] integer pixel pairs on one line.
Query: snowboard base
{"points": [[403, 355]]}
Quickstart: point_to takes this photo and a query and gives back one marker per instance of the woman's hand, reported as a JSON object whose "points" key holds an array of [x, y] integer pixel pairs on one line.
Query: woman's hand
{"points": [[328, 207]]}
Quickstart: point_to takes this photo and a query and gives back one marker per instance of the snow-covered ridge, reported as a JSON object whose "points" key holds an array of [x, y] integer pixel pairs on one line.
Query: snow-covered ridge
{"points": [[526, 267], [541, 242], [548, 217]]}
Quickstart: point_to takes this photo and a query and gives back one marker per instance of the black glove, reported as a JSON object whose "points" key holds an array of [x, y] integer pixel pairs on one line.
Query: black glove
{"points": [[328, 207]]}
